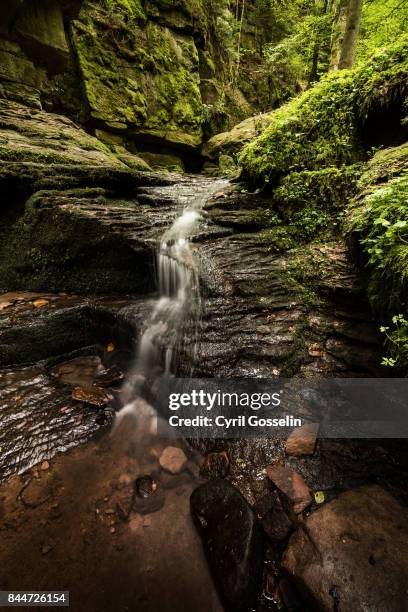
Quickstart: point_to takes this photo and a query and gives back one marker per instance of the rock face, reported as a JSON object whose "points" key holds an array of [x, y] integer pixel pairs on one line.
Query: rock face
{"points": [[153, 75], [352, 553], [232, 541]]}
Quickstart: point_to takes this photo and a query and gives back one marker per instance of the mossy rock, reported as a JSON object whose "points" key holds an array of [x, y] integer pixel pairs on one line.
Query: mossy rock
{"points": [[232, 142], [162, 161], [376, 223], [138, 75], [325, 125]]}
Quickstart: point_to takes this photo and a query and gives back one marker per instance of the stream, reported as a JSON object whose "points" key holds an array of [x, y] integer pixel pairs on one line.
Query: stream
{"points": [[226, 307]]}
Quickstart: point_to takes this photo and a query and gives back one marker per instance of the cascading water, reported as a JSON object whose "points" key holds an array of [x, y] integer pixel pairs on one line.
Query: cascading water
{"points": [[172, 329]]}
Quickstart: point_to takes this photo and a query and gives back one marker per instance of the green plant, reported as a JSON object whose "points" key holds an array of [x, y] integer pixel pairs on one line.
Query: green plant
{"points": [[397, 340]]}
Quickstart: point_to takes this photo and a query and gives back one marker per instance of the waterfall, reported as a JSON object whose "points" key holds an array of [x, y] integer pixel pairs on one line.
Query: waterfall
{"points": [[172, 329]]}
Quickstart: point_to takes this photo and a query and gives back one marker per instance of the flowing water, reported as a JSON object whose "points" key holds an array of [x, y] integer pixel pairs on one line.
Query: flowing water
{"points": [[174, 323]]}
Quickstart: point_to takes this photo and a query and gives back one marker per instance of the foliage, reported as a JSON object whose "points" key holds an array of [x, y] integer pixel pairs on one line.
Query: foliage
{"points": [[382, 21], [313, 130], [380, 224], [397, 342], [322, 127]]}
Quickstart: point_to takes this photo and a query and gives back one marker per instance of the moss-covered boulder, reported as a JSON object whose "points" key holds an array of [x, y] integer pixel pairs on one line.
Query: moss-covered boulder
{"points": [[232, 142], [329, 124]]}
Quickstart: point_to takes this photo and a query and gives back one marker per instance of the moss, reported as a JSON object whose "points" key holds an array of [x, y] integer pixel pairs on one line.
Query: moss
{"points": [[315, 130], [138, 75], [53, 249], [323, 126], [328, 190]]}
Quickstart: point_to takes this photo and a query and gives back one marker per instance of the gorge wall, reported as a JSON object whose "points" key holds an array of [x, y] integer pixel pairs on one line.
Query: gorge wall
{"points": [[154, 77]]}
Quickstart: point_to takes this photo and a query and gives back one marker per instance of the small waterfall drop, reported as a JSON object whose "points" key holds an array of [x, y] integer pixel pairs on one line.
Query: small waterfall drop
{"points": [[172, 329]]}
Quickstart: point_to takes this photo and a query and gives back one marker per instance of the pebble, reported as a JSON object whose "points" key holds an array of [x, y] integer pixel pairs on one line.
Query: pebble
{"points": [[173, 460], [45, 466]]}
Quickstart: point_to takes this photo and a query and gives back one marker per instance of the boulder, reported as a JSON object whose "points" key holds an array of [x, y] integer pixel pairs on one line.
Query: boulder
{"points": [[232, 142], [275, 522], [232, 540], [351, 555]]}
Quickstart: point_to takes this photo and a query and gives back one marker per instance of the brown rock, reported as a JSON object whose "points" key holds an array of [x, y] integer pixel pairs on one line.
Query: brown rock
{"points": [[91, 395], [291, 484], [173, 460], [352, 553], [302, 441], [45, 466]]}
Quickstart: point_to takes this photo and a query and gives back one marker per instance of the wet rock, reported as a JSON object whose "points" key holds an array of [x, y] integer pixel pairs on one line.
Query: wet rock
{"points": [[40, 303], [148, 505], [215, 465], [80, 371], [95, 396], [276, 523], [352, 553], [302, 441], [292, 485], [109, 377], [232, 540], [172, 481], [173, 460], [145, 486]]}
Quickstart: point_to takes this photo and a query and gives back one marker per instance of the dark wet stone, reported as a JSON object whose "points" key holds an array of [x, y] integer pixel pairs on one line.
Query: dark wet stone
{"points": [[276, 523], [215, 465], [107, 378], [145, 486], [232, 539], [153, 503], [291, 484]]}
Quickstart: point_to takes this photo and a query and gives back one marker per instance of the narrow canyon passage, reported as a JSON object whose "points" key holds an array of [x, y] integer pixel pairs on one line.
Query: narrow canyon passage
{"points": [[71, 521]]}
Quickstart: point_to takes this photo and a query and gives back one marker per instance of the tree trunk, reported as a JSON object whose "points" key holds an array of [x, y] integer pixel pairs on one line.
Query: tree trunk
{"points": [[339, 28], [348, 47]]}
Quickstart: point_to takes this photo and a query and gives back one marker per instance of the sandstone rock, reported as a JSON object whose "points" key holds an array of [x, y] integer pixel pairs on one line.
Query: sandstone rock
{"points": [[292, 485], [91, 395], [352, 553], [302, 441], [40, 30], [232, 540], [173, 460]]}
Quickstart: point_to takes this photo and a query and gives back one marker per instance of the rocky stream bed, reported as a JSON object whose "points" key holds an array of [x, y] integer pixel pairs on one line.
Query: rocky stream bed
{"points": [[84, 520]]}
